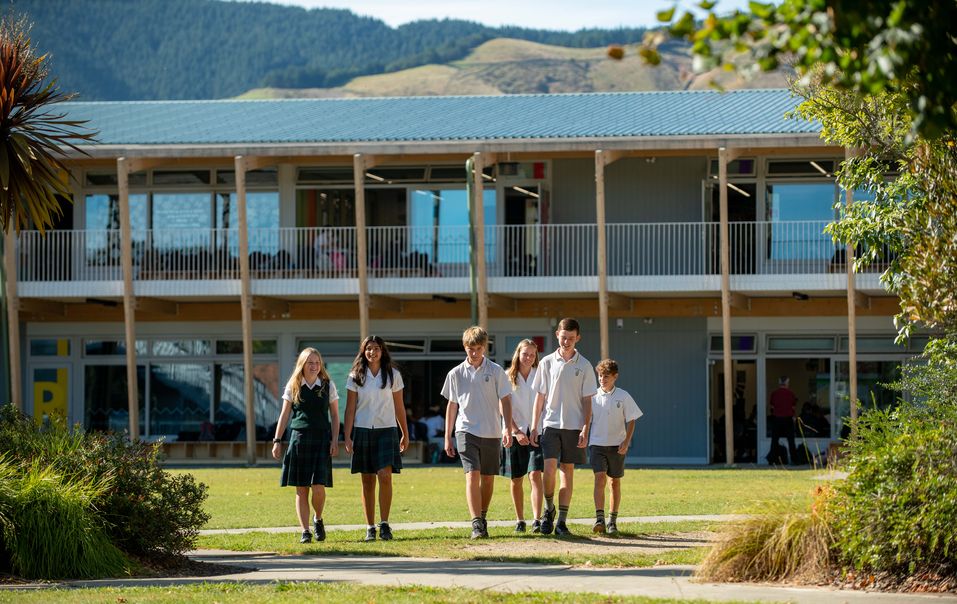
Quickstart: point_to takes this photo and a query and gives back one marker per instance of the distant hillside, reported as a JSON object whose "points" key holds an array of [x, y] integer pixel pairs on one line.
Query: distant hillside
{"points": [[186, 49], [508, 66]]}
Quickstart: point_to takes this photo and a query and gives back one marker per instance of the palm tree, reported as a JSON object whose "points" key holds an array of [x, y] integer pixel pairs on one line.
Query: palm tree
{"points": [[33, 181]]}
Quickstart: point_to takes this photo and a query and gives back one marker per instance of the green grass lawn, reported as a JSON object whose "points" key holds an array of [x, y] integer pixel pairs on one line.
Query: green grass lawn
{"points": [[252, 497], [503, 545], [225, 593]]}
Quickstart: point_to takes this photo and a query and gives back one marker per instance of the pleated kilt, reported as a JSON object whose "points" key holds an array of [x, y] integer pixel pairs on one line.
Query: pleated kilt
{"points": [[307, 460], [374, 449]]}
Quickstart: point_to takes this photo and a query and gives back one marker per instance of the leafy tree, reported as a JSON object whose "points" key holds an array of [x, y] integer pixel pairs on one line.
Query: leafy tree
{"points": [[32, 179], [867, 46]]}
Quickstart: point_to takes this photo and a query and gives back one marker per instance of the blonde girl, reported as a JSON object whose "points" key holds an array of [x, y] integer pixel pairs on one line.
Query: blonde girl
{"points": [[524, 458]]}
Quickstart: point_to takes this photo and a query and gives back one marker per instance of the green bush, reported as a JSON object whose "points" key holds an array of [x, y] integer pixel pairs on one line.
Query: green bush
{"points": [[145, 511], [898, 505], [53, 530]]}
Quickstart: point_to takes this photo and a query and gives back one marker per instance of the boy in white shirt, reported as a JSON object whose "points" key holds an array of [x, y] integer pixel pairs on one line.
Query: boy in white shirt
{"points": [[479, 397], [565, 384], [614, 412]]}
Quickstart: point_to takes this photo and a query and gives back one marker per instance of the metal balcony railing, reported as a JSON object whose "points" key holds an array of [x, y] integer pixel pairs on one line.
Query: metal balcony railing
{"points": [[550, 250]]}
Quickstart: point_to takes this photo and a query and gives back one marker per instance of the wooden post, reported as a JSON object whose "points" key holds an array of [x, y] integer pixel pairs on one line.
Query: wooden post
{"points": [[13, 315], [851, 317], [246, 308], [600, 161], [123, 170], [359, 166], [478, 219], [723, 159]]}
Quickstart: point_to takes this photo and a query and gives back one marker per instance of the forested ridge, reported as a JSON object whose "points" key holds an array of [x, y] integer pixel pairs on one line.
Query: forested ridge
{"points": [[208, 49]]}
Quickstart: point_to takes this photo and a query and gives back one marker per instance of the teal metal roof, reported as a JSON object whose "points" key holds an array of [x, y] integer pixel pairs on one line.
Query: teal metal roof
{"points": [[484, 118]]}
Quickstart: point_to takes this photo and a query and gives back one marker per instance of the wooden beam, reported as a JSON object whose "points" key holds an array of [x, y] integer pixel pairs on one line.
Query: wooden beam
{"points": [[724, 157], [861, 299], [619, 302], [13, 316], [42, 307], [386, 303], [478, 222], [271, 305], [246, 305], [261, 161], [155, 305], [138, 164], [360, 163], [123, 169], [610, 157], [601, 160], [500, 302], [740, 301]]}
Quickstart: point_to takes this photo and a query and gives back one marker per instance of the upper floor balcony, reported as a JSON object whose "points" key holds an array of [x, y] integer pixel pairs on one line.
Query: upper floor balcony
{"points": [[544, 259]]}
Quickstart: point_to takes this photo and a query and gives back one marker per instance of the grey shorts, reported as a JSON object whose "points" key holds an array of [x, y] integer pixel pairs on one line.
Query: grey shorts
{"points": [[519, 460], [478, 454], [608, 460], [561, 445]]}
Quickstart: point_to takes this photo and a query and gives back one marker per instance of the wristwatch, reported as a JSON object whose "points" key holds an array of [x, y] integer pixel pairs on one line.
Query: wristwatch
{"points": [[276, 440]]}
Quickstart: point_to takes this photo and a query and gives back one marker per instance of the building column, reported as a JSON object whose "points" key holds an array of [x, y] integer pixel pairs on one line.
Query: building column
{"points": [[602, 159], [478, 220], [725, 156], [361, 163], [245, 301], [123, 170], [851, 316], [13, 315]]}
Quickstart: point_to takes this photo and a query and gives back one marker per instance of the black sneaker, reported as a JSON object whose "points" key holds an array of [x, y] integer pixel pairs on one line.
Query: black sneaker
{"points": [[612, 528], [306, 537], [477, 529], [385, 531], [319, 528], [537, 526], [370, 534], [598, 527], [484, 528], [561, 530], [520, 526], [548, 522]]}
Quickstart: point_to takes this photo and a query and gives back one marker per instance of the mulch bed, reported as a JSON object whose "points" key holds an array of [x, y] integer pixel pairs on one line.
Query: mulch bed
{"points": [[938, 580], [164, 567]]}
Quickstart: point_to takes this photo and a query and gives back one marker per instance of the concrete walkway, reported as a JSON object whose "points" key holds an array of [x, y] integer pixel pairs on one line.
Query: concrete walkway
{"points": [[660, 582]]}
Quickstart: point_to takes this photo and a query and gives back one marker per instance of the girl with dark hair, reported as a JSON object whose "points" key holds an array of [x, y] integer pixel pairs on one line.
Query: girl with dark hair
{"points": [[310, 405], [375, 414]]}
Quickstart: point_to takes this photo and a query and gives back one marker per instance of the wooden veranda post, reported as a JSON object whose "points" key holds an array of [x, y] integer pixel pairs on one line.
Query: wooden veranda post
{"points": [[245, 301], [13, 315], [851, 317], [123, 169], [724, 157]]}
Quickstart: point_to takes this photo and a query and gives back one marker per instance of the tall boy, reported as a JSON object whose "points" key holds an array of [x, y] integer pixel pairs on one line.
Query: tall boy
{"points": [[565, 383], [479, 406], [614, 412]]}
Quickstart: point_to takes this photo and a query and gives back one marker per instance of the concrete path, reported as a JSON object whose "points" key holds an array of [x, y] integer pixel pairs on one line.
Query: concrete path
{"points": [[660, 582]]}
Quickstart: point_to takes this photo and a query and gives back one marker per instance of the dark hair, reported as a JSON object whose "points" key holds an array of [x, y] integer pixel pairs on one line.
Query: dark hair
{"points": [[569, 324], [359, 366]]}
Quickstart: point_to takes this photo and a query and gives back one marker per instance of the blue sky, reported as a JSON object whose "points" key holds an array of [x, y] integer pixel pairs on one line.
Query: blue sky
{"points": [[552, 14]]}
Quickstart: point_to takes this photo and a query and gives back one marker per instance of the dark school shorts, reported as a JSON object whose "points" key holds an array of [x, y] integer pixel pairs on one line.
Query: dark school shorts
{"points": [[307, 460], [608, 460], [478, 454], [561, 445], [374, 449], [519, 460]]}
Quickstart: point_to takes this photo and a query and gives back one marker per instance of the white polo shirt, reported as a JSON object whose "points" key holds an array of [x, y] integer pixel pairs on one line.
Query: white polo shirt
{"points": [[610, 411], [477, 392], [523, 400], [333, 393], [375, 407], [564, 384]]}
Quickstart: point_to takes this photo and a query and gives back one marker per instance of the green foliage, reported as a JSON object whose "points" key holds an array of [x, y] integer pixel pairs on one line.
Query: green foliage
{"points": [[866, 46], [53, 530], [144, 510], [31, 134], [188, 49], [898, 505]]}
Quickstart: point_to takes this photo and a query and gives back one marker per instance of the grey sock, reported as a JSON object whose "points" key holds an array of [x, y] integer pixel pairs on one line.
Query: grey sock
{"points": [[614, 517], [484, 514], [549, 503], [600, 515], [562, 513]]}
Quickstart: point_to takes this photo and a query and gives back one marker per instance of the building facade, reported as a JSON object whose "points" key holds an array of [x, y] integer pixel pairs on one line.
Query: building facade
{"points": [[605, 207]]}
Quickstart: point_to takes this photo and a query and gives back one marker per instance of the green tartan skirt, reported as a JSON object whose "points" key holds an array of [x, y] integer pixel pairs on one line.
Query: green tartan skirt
{"points": [[307, 460]]}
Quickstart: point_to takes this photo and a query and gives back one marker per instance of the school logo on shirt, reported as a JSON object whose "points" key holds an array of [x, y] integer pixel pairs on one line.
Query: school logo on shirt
{"points": [[486, 378], [618, 404], [578, 372]]}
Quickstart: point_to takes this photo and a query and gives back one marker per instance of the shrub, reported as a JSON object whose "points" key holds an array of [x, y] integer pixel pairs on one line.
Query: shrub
{"points": [[899, 501]]}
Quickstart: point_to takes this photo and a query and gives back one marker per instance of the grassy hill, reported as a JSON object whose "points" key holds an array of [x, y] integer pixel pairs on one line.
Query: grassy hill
{"points": [[510, 66]]}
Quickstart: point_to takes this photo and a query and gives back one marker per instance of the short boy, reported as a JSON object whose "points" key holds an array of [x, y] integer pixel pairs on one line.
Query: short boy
{"points": [[479, 397], [565, 384], [614, 412]]}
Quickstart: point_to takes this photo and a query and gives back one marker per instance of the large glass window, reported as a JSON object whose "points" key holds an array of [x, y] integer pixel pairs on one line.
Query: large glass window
{"points": [[810, 380], [181, 221], [439, 224], [797, 213], [107, 403], [229, 410], [180, 400], [262, 216], [872, 391], [103, 227]]}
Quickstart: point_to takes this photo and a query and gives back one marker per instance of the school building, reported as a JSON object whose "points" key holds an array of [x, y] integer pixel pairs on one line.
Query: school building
{"points": [[209, 241]]}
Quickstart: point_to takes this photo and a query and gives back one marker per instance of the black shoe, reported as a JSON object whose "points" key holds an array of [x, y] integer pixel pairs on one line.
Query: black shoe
{"points": [[548, 522], [484, 528], [598, 527], [385, 531], [319, 529], [477, 529], [537, 526], [520, 526], [612, 528], [561, 530], [306, 537], [370, 534]]}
